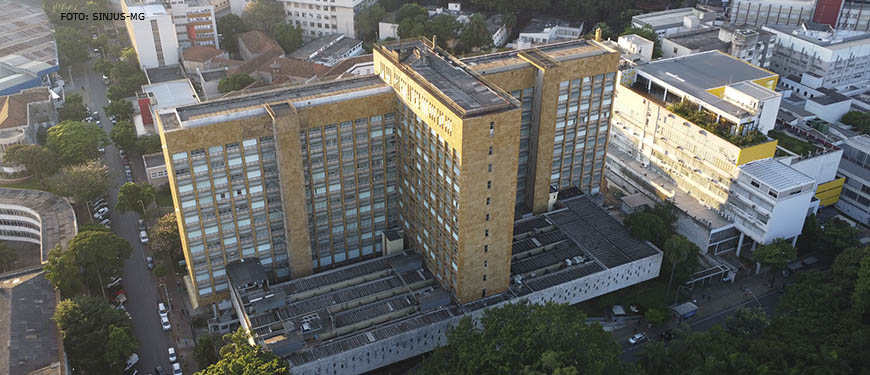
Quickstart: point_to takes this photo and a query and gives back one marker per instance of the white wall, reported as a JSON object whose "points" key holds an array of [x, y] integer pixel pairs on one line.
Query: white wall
{"points": [[822, 168], [388, 30], [831, 112], [787, 218], [770, 108]]}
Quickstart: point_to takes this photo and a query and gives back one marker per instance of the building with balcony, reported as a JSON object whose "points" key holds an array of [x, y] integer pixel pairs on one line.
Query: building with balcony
{"points": [[195, 22], [155, 38], [684, 130], [318, 18], [415, 148]]}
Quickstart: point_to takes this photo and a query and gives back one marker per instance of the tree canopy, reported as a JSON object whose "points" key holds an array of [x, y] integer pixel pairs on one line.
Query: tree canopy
{"points": [[229, 27], [648, 227], [860, 121], [263, 14], [73, 108], [63, 273], [474, 35], [525, 338], [96, 337], [289, 37], [121, 109], [132, 197], [126, 77], [82, 182], [99, 255], [240, 357], [164, 238], [682, 254], [123, 134], [148, 144], [76, 142], [366, 22], [748, 322], [72, 45], [207, 349], [234, 82], [39, 161], [776, 255]]}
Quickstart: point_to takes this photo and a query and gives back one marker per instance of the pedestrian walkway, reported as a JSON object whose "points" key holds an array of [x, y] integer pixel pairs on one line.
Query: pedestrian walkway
{"points": [[710, 301], [182, 329]]}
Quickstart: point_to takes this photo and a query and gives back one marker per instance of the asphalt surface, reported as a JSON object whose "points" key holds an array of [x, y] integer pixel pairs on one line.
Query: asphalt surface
{"points": [[768, 301], [139, 283]]}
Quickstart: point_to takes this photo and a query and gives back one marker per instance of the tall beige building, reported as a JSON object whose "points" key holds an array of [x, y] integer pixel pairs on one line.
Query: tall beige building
{"points": [[307, 178]]}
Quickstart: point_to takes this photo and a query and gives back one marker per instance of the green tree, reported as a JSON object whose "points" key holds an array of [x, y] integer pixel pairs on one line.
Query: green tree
{"points": [[72, 45], [82, 182], [123, 134], [73, 108], [649, 34], [240, 357], [412, 27], [207, 349], [93, 334], [103, 66], [132, 197], [647, 227], [776, 255], [148, 144], [861, 296], [229, 27], [678, 250], [8, 257], [76, 142], [844, 269], [810, 239], [838, 235], [747, 322], [234, 82], [391, 5], [62, 272], [121, 109], [657, 315], [126, 77], [367, 20], [287, 36], [93, 227], [39, 161], [606, 31], [262, 14], [164, 238], [119, 346], [444, 28], [654, 358], [527, 338], [99, 255], [411, 11], [102, 42]]}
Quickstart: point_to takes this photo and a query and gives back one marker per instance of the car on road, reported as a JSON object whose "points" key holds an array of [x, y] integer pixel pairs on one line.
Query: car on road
{"points": [[98, 214], [164, 322], [176, 368], [141, 224], [96, 115], [132, 361], [637, 338], [172, 357], [149, 262], [113, 282], [102, 150], [106, 222], [99, 124], [143, 237], [97, 206], [161, 309]]}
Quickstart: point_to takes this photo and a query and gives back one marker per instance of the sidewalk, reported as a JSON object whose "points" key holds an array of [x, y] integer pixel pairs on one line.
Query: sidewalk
{"points": [[183, 336], [710, 301]]}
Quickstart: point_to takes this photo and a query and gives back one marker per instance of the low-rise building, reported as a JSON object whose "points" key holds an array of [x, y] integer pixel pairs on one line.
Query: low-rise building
{"points": [[498, 28], [28, 54], [22, 115], [636, 48], [201, 58], [746, 43], [855, 167], [155, 168], [672, 21], [547, 30], [328, 50], [771, 12], [317, 18]]}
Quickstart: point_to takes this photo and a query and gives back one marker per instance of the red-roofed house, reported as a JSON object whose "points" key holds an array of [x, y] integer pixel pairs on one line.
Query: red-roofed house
{"points": [[257, 43], [23, 114], [201, 57]]}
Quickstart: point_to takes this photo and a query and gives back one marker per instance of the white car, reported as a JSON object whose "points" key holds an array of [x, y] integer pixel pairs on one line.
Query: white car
{"points": [[176, 369], [172, 357], [106, 222], [134, 358], [161, 309], [143, 237], [164, 322], [101, 212], [637, 338]]}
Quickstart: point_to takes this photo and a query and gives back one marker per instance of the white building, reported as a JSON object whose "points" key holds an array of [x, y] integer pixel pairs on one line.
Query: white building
{"points": [[318, 18], [746, 43], [672, 21], [544, 31], [817, 57], [771, 12], [636, 47], [154, 39], [855, 166], [195, 23]]}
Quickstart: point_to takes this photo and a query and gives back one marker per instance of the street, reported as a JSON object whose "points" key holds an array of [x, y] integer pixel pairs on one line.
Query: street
{"points": [[768, 301], [139, 282]]}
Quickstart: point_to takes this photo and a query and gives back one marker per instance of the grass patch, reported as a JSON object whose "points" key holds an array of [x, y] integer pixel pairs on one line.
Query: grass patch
{"points": [[791, 143], [32, 184], [164, 196]]}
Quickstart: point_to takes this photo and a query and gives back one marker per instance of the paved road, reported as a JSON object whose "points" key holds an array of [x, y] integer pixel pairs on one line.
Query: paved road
{"points": [[138, 281], [768, 301]]}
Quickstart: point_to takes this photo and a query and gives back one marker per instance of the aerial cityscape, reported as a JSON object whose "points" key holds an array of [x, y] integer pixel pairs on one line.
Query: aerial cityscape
{"points": [[551, 187]]}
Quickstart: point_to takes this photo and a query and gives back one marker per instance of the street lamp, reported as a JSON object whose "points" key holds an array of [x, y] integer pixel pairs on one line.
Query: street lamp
{"points": [[144, 216]]}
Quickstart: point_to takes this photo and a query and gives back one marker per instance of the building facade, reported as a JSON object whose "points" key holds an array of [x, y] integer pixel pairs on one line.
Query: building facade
{"points": [[673, 21], [855, 167], [195, 23], [154, 38], [746, 43], [318, 18], [771, 12], [417, 148]]}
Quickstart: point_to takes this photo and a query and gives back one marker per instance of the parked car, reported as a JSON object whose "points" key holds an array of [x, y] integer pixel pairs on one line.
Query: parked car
{"points": [[99, 124], [159, 371], [164, 322], [637, 338], [149, 262], [141, 224], [132, 361], [172, 357], [96, 115], [161, 309], [101, 211], [101, 149], [113, 282], [176, 368], [98, 201], [99, 206], [143, 237], [106, 222]]}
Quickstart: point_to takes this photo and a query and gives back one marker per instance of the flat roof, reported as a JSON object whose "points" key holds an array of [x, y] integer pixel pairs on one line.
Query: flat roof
{"points": [[843, 38], [830, 98], [449, 78], [154, 160], [696, 73], [538, 25], [559, 51], [700, 40], [861, 142], [754, 90], [150, 10], [56, 215], [663, 19], [172, 93], [164, 74], [776, 175], [31, 341], [25, 31]]}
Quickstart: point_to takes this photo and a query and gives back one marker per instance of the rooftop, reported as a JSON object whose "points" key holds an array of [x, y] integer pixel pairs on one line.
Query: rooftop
{"points": [[154, 160], [663, 19], [258, 42], [164, 74], [700, 40], [326, 49], [777, 175], [561, 51], [172, 93], [347, 64], [13, 108], [839, 39], [25, 31], [539, 25], [30, 338], [447, 78], [861, 142], [200, 53], [150, 10], [830, 98], [697, 73], [56, 216]]}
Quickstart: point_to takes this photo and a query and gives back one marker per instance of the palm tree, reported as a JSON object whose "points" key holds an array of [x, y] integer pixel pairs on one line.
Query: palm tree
{"points": [[678, 250], [7, 257]]}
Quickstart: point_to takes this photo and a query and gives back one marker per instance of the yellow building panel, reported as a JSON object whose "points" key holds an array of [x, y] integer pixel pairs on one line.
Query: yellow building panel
{"points": [[829, 192], [718, 91], [769, 82], [757, 152]]}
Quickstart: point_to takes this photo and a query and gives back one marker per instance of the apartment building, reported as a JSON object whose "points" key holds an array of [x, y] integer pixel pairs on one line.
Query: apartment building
{"points": [[855, 167], [686, 130], [195, 22], [418, 148], [320, 17], [771, 12], [154, 38]]}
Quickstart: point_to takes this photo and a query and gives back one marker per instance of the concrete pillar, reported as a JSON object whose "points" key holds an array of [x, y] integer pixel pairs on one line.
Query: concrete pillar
{"points": [[740, 244], [649, 85], [665, 96], [794, 241]]}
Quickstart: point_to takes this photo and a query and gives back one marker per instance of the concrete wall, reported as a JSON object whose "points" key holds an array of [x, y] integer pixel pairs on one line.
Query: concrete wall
{"points": [[822, 168], [832, 112]]}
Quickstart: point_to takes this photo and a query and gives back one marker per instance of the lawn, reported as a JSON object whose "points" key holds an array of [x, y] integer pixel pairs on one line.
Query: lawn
{"points": [[792, 144], [29, 184], [164, 197]]}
